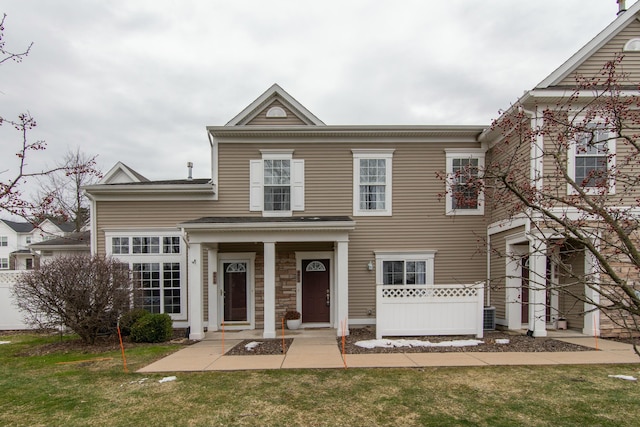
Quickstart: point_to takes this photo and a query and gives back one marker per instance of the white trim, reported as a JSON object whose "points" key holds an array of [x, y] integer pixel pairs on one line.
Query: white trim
{"points": [[159, 258], [301, 256], [596, 43], [519, 220], [381, 153], [275, 92], [426, 255], [516, 246], [243, 257], [463, 153], [611, 144]]}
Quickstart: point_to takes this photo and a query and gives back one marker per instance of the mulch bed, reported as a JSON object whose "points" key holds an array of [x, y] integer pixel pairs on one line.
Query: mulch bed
{"points": [[517, 343], [266, 347]]}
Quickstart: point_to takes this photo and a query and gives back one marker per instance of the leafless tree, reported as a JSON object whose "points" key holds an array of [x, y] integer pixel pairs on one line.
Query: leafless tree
{"points": [[85, 293], [585, 197], [13, 201], [63, 187]]}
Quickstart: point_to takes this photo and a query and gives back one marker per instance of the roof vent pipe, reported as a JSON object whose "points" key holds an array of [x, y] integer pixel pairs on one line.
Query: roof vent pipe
{"points": [[621, 7], [190, 167]]}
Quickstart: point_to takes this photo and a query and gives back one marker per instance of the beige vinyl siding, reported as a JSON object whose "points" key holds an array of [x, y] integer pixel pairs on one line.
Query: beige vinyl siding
{"points": [[262, 119], [418, 222], [630, 64], [138, 215], [506, 152]]}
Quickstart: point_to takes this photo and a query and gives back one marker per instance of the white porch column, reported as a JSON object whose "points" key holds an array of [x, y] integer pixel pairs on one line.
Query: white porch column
{"points": [[269, 290], [592, 280], [212, 261], [196, 323], [342, 287], [537, 287]]}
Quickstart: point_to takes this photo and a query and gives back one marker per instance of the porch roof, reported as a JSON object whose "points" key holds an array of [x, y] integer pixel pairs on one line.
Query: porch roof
{"points": [[270, 223]]}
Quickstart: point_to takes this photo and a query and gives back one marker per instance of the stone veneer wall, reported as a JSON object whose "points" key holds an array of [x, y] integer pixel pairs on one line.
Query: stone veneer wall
{"points": [[285, 287]]}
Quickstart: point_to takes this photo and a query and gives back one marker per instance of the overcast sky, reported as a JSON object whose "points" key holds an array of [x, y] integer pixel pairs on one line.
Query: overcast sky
{"points": [[137, 81]]}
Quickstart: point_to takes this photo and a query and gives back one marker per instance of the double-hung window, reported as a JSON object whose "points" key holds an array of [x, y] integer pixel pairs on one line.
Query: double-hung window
{"points": [[277, 183], [4, 263], [405, 268], [4, 241], [591, 156], [464, 190], [372, 174]]}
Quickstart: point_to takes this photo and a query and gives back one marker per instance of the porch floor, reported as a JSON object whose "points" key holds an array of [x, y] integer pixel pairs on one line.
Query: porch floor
{"points": [[317, 348]]}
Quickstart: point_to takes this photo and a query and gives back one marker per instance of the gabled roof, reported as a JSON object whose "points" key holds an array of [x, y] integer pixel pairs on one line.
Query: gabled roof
{"points": [[19, 227], [275, 92], [120, 174], [622, 21], [79, 240]]}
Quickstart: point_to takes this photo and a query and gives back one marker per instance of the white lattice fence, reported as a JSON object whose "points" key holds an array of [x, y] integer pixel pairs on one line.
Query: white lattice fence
{"points": [[10, 317], [412, 310]]}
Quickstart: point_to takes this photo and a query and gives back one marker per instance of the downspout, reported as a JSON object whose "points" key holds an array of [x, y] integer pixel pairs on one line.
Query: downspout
{"points": [[213, 142], [93, 223]]}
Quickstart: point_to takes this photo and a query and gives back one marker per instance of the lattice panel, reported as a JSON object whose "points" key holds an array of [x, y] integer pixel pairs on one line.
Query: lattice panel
{"points": [[408, 292]]}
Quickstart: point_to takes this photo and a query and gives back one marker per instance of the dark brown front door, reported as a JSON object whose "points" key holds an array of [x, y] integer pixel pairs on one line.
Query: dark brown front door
{"points": [[316, 297], [235, 292]]}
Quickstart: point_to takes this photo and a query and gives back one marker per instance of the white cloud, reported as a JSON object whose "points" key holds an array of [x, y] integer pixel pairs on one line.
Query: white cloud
{"points": [[139, 81]]}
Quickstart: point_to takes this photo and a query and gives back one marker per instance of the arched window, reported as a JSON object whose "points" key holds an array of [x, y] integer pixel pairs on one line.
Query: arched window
{"points": [[632, 45], [316, 266], [276, 112]]}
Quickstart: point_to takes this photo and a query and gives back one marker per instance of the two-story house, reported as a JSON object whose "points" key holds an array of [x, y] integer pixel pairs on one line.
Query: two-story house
{"points": [[300, 215]]}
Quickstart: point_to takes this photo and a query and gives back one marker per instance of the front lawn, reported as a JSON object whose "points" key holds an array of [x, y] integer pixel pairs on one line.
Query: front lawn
{"points": [[37, 389]]}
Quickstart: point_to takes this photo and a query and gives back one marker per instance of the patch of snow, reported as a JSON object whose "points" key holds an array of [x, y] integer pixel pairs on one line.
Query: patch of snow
{"points": [[167, 379], [502, 341], [252, 345], [5, 342], [624, 377], [386, 343]]}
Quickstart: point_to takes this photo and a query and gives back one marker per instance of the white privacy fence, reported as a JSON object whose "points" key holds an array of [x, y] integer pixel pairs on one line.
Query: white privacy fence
{"points": [[413, 310], [10, 317]]}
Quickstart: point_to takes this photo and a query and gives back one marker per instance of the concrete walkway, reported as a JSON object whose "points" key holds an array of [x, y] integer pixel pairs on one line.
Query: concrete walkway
{"points": [[318, 349]]}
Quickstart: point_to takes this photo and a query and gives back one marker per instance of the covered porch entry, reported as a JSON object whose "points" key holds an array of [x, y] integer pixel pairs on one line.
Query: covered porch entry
{"points": [[245, 273], [545, 282]]}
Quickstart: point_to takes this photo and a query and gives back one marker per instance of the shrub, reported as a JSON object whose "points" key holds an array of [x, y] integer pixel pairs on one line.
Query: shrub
{"points": [[128, 319], [85, 293], [152, 328]]}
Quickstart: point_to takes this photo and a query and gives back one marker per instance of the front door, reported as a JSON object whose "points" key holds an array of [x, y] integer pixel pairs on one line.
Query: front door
{"points": [[235, 292], [316, 294]]}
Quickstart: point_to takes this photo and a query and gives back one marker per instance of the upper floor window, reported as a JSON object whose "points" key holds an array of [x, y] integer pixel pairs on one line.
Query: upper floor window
{"points": [[464, 193], [372, 174], [277, 183], [590, 158], [4, 241]]}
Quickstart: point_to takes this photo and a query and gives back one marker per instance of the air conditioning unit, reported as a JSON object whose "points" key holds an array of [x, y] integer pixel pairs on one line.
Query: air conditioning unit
{"points": [[489, 318]]}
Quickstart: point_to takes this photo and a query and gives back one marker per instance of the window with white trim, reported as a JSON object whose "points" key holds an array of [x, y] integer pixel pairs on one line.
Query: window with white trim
{"points": [[4, 241], [590, 157], [157, 267], [372, 173], [405, 268], [4, 263], [464, 168], [277, 183]]}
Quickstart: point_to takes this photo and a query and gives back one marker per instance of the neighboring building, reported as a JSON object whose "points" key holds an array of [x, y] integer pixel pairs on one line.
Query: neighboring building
{"points": [[16, 239], [330, 221]]}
